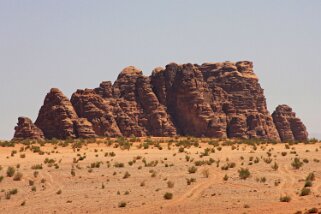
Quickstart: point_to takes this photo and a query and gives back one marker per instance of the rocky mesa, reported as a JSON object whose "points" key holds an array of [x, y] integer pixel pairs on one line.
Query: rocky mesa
{"points": [[219, 100]]}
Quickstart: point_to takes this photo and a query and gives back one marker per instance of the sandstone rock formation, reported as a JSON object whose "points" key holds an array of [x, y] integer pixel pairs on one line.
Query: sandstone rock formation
{"points": [[25, 129], [58, 119], [215, 100], [185, 93], [220, 100], [290, 127], [239, 95], [129, 107]]}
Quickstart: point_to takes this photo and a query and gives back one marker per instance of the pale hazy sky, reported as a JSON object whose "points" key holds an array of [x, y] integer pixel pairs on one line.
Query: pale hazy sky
{"points": [[78, 44]]}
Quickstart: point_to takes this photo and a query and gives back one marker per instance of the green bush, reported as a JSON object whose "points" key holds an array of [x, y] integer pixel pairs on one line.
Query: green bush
{"points": [[244, 173], [296, 164]]}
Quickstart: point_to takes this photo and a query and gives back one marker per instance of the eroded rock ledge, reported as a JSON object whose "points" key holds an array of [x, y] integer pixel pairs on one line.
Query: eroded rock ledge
{"points": [[220, 100]]}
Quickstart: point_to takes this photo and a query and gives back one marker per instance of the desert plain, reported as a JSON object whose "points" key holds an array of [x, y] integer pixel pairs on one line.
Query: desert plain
{"points": [[160, 175]]}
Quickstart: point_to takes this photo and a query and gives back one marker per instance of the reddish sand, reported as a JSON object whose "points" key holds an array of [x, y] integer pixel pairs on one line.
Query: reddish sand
{"points": [[101, 190]]}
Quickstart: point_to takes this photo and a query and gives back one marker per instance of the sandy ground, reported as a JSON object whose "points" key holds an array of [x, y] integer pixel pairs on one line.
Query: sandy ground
{"points": [[100, 190]]}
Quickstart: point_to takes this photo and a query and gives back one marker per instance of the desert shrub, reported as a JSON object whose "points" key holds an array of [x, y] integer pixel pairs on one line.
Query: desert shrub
{"points": [[77, 145], [313, 210], [9, 193], [225, 178], [205, 153], [206, 173], [228, 166], [150, 164], [72, 172], [122, 204], [7, 144], [199, 162], [285, 198], [126, 175], [119, 165], [308, 183], [305, 191], [277, 182], [10, 171], [168, 196], [49, 161], [267, 160], [170, 184], [284, 153], [123, 143], [17, 176], [310, 177], [154, 173], [130, 163], [35, 173], [263, 179], [13, 152], [189, 181], [192, 169], [95, 164], [244, 173], [275, 166], [36, 149], [296, 163], [37, 166]]}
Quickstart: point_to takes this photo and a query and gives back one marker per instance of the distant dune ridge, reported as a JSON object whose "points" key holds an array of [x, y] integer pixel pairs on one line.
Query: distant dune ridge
{"points": [[219, 100]]}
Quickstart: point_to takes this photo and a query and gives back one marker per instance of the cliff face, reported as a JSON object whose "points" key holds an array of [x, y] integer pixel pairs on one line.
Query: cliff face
{"points": [[221, 100], [238, 95]]}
